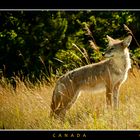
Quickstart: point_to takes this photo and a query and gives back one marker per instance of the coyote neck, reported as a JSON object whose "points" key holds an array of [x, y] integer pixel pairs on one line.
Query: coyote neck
{"points": [[127, 57], [123, 63]]}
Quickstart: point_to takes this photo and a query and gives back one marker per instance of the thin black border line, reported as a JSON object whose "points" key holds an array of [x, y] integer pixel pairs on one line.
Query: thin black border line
{"points": [[69, 9]]}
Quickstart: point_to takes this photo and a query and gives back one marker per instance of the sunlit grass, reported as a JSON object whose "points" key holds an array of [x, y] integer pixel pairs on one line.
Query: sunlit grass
{"points": [[29, 108]]}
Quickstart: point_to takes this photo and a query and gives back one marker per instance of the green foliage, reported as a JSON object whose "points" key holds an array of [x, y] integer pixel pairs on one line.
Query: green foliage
{"points": [[38, 45], [96, 56], [69, 59], [137, 53]]}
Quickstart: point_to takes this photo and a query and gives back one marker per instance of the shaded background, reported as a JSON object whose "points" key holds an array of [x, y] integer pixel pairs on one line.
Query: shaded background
{"points": [[36, 45]]}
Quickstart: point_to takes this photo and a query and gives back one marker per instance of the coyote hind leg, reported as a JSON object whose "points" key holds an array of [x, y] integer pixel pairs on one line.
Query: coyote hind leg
{"points": [[64, 104], [56, 104], [60, 113]]}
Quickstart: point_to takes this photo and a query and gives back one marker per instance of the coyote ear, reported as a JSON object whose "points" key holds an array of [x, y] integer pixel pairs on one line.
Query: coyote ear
{"points": [[127, 41], [110, 39]]}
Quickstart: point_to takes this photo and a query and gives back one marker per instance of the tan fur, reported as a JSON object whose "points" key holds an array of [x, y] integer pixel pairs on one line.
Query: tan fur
{"points": [[110, 73]]}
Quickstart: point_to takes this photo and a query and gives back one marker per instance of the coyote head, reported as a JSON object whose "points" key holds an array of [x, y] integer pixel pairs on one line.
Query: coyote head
{"points": [[117, 47]]}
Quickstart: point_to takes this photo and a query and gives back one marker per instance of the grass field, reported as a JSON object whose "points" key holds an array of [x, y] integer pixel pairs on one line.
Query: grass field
{"points": [[29, 108]]}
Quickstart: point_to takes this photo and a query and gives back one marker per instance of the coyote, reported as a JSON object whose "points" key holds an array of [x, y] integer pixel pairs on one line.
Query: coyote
{"points": [[109, 73]]}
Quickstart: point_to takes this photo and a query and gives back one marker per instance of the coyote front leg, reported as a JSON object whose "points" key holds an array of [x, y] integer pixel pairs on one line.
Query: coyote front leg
{"points": [[109, 91], [109, 97], [116, 95]]}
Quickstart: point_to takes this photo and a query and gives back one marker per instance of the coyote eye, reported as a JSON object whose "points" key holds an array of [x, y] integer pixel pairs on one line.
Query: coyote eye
{"points": [[111, 49]]}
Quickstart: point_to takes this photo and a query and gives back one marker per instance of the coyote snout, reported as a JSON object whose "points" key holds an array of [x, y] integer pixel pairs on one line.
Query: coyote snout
{"points": [[110, 73]]}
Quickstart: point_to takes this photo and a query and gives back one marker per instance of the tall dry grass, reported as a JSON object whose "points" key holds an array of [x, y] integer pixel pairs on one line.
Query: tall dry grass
{"points": [[29, 108]]}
